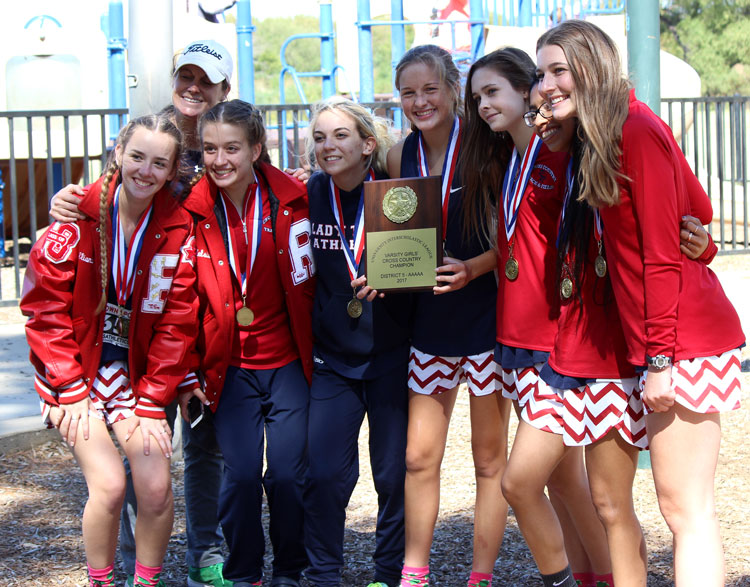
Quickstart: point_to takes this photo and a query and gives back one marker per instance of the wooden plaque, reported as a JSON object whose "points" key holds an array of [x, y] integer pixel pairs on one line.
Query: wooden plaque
{"points": [[403, 233]]}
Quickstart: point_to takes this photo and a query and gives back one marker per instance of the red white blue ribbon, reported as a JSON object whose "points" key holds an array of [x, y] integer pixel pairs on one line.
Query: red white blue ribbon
{"points": [[125, 259], [252, 239], [515, 181], [353, 257], [566, 198], [449, 165]]}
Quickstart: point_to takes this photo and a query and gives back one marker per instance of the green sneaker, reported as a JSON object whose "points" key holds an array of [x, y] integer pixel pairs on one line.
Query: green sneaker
{"points": [[129, 581], [211, 576], [378, 584]]}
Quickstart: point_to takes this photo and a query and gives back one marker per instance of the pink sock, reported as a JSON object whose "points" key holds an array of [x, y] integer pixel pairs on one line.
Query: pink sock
{"points": [[415, 576], [604, 580], [146, 576], [102, 577], [479, 580], [584, 579]]}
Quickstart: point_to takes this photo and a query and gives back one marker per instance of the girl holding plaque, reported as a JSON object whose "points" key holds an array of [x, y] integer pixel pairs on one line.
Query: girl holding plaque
{"points": [[633, 172], [112, 311], [255, 268], [502, 150], [361, 351], [453, 333]]}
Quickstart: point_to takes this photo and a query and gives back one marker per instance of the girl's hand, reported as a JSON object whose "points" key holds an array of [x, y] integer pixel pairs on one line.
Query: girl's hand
{"points": [[73, 416], [185, 397], [693, 237], [159, 429], [658, 394], [64, 204], [299, 173], [366, 292], [455, 274]]}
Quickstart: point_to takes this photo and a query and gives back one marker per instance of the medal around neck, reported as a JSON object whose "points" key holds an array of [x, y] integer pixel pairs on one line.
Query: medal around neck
{"points": [[566, 288], [600, 266], [245, 316], [511, 268], [354, 308]]}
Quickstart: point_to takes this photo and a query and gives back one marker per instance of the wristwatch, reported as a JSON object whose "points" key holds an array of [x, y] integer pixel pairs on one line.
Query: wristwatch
{"points": [[659, 361]]}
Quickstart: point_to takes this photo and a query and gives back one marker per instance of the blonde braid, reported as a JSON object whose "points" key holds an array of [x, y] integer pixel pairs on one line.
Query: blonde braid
{"points": [[195, 179], [103, 218]]}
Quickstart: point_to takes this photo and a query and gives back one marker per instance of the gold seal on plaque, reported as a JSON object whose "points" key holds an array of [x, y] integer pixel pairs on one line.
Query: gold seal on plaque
{"points": [[399, 204]]}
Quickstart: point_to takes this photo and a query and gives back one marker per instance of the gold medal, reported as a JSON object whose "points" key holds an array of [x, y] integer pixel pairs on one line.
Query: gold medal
{"points": [[600, 266], [511, 269], [566, 288], [354, 308], [245, 316]]}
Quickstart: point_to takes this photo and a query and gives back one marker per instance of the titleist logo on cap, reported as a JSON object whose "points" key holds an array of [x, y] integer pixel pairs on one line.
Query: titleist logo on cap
{"points": [[198, 48]]}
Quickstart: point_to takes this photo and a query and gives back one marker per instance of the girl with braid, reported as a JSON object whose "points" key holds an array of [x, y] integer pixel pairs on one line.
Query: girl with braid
{"points": [[112, 311]]}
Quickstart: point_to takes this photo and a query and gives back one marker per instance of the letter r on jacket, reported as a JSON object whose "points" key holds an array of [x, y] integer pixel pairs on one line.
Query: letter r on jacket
{"points": [[300, 251]]}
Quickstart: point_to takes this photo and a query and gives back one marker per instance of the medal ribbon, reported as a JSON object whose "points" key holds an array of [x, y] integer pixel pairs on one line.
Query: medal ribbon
{"points": [[252, 240], [568, 190], [449, 165], [352, 257], [124, 260], [513, 189], [598, 228]]}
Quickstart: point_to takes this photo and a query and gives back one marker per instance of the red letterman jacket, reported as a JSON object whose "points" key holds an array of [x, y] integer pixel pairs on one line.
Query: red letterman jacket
{"points": [[291, 232], [62, 288]]}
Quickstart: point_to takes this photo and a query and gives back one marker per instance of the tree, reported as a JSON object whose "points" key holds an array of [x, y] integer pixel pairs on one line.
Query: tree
{"points": [[712, 36]]}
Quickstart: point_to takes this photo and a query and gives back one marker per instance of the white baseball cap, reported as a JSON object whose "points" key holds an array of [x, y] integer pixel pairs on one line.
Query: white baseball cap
{"points": [[211, 57]]}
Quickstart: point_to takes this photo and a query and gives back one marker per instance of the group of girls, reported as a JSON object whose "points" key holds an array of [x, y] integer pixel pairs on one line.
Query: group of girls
{"points": [[585, 237]]}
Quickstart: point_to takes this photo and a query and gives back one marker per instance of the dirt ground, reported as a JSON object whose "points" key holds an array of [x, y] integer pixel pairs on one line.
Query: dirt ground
{"points": [[42, 495]]}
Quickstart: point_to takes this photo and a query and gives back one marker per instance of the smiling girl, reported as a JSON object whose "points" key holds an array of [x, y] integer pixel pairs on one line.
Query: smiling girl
{"points": [[255, 269], [201, 79], [361, 350], [504, 153], [453, 334], [633, 172], [111, 332]]}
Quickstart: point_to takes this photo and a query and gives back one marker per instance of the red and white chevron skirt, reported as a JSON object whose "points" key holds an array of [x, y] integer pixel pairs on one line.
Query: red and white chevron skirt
{"points": [[706, 384], [586, 414], [112, 397], [432, 374], [520, 385]]}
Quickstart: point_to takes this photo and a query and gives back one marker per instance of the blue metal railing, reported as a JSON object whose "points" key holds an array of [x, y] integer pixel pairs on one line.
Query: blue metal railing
{"points": [[543, 13]]}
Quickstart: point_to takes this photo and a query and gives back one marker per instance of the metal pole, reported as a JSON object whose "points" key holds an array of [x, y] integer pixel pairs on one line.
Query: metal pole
{"points": [[116, 44], [327, 52], [642, 25], [366, 78], [150, 52], [524, 13], [245, 65], [398, 39], [476, 11]]}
